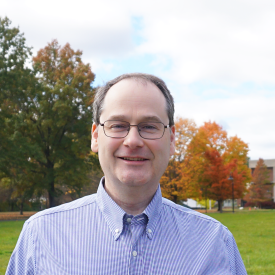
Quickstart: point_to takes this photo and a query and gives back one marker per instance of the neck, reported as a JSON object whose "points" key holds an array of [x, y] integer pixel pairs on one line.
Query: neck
{"points": [[132, 199]]}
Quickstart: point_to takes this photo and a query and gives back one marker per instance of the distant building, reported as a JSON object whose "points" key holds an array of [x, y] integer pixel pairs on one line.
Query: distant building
{"points": [[237, 203], [270, 163], [192, 204]]}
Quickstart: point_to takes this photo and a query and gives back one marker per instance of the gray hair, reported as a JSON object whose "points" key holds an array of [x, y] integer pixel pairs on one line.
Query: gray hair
{"points": [[102, 91]]}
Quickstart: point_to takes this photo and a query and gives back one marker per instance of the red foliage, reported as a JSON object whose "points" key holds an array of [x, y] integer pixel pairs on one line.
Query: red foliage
{"points": [[210, 159], [260, 190]]}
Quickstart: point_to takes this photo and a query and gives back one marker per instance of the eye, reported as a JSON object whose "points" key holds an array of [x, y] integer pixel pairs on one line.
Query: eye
{"points": [[118, 126], [149, 127]]}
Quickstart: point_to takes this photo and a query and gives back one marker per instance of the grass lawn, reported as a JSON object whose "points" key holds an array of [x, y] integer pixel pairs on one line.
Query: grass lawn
{"points": [[254, 232], [9, 233]]}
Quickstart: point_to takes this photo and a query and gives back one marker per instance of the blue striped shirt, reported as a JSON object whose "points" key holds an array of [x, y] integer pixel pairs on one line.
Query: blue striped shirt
{"points": [[93, 235]]}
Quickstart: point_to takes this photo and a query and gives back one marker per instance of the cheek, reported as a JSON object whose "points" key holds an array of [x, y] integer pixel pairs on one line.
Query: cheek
{"points": [[107, 146], [161, 150]]}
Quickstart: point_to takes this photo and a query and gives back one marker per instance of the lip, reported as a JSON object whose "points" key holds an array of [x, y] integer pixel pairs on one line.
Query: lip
{"points": [[133, 159]]}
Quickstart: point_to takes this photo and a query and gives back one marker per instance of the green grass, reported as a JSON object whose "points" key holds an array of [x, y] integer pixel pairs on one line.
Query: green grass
{"points": [[254, 232], [9, 233]]}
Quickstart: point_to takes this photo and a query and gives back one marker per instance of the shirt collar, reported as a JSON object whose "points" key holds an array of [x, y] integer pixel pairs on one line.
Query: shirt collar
{"points": [[114, 214]]}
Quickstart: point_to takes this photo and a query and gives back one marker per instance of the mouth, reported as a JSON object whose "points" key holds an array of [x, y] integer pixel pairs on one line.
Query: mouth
{"points": [[133, 159]]}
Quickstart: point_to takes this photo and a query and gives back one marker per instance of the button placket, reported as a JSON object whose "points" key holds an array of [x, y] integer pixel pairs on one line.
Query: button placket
{"points": [[137, 229], [138, 232]]}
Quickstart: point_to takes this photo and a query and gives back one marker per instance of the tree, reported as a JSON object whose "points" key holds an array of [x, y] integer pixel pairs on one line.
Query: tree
{"points": [[210, 135], [94, 176], [210, 158], [19, 187], [16, 82], [218, 171], [13, 81], [46, 113], [171, 183], [59, 118], [260, 188]]}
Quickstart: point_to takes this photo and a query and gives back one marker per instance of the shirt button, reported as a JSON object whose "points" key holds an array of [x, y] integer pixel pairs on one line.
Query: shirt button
{"points": [[129, 220], [134, 253], [117, 231], [149, 231]]}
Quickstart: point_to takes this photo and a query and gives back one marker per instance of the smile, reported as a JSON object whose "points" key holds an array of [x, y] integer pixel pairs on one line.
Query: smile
{"points": [[133, 159]]}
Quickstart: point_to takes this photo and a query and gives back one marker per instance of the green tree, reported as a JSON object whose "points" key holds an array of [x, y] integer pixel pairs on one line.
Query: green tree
{"points": [[46, 117], [60, 118], [16, 83], [13, 81]]}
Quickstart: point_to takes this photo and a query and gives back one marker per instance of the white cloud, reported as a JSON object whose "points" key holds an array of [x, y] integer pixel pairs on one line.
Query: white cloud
{"points": [[221, 41], [226, 43], [99, 28], [250, 118]]}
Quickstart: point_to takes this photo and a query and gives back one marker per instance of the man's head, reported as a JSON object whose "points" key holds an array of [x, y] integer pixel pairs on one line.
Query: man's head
{"points": [[133, 160], [98, 104]]}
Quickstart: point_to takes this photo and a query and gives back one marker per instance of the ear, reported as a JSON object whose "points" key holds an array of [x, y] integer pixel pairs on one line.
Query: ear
{"points": [[94, 141], [172, 140]]}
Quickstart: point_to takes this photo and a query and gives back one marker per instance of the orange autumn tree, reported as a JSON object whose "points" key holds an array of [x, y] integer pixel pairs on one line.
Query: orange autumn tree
{"points": [[216, 172], [210, 135], [237, 151], [260, 188], [171, 183], [210, 158]]}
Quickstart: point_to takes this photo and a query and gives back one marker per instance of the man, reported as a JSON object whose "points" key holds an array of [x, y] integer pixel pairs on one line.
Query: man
{"points": [[127, 227]]}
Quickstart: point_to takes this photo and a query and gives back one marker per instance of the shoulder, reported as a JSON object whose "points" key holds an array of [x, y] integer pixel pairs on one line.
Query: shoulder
{"points": [[181, 212], [78, 205]]}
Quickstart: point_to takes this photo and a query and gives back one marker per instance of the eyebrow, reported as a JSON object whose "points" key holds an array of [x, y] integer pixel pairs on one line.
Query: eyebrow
{"points": [[143, 118]]}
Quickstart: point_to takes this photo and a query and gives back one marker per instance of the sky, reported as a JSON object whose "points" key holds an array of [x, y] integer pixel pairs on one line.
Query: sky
{"points": [[217, 57]]}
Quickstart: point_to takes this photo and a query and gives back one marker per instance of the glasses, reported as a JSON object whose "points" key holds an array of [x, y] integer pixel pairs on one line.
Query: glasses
{"points": [[120, 129]]}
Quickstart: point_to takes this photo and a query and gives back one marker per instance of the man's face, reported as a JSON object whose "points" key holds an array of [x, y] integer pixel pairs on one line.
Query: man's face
{"points": [[133, 101]]}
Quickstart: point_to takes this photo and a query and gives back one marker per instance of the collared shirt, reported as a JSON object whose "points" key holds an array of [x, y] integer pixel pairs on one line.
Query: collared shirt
{"points": [[93, 235]]}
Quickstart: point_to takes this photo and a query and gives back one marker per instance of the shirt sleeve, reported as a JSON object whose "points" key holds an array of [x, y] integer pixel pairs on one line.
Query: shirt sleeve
{"points": [[236, 263], [22, 259]]}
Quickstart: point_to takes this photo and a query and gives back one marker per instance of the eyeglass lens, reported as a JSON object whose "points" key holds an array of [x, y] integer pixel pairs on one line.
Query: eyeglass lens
{"points": [[120, 129]]}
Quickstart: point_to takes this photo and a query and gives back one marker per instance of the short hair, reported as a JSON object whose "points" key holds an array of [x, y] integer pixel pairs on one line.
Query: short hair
{"points": [[102, 91]]}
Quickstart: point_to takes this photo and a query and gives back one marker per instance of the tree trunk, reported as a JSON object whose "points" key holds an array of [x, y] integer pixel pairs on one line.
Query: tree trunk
{"points": [[175, 199], [50, 180], [12, 206], [220, 205], [51, 195], [21, 207]]}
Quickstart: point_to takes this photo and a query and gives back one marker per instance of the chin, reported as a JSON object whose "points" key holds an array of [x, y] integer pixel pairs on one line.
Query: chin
{"points": [[134, 180]]}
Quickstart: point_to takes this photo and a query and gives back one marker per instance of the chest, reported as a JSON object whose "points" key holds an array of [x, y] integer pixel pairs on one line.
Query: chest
{"points": [[171, 250]]}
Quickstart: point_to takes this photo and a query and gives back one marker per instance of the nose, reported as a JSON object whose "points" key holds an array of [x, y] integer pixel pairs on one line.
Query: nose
{"points": [[133, 139]]}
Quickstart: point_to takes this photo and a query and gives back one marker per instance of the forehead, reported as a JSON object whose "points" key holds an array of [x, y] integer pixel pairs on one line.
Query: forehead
{"points": [[134, 96]]}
